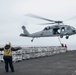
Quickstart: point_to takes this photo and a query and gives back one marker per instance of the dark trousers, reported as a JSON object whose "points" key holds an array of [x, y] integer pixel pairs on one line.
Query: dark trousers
{"points": [[8, 62]]}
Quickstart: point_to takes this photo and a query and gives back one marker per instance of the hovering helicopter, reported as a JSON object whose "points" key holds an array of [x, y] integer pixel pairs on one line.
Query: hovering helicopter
{"points": [[59, 29]]}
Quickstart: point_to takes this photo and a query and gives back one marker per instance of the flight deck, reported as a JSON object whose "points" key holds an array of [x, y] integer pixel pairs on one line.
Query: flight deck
{"points": [[60, 64]]}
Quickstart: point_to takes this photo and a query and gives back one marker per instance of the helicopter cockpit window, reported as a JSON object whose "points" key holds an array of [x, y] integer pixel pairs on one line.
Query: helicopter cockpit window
{"points": [[73, 28], [47, 28], [68, 28]]}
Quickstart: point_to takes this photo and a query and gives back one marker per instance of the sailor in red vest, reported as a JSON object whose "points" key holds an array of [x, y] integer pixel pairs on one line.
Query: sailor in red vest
{"points": [[65, 46], [8, 56]]}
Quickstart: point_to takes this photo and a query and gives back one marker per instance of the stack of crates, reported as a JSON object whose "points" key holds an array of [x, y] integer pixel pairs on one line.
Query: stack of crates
{"points": [[1, 56]]}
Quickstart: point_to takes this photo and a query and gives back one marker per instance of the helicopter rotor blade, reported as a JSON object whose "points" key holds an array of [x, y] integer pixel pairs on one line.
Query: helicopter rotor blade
{"points": [[74, 17], [46, 23], [31, 15]]}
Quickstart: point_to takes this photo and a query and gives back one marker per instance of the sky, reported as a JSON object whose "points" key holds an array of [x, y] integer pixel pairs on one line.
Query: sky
{"points": [[13, 16]]}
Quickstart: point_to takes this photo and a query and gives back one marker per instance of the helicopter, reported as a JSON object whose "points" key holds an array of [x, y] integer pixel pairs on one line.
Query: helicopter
{"points": [[59, 29]]}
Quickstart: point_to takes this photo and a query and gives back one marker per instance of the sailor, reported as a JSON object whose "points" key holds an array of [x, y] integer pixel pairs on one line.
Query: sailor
{"points": [[8, 56]]}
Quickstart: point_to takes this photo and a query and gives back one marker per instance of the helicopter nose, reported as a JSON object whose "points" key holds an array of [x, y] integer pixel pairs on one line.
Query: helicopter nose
{"points": [[73, 31]]}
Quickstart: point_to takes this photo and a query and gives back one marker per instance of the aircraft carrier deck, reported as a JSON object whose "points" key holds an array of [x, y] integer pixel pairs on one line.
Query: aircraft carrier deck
{"points": [[61, 64]]}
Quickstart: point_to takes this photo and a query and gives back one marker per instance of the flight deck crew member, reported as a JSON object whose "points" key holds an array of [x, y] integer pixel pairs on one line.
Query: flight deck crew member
{"points": [[8, 56]]}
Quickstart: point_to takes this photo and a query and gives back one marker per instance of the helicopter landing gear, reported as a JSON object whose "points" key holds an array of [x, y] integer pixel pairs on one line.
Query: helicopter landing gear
{"points": [[67, 37], [61, 36], [32, 40]]}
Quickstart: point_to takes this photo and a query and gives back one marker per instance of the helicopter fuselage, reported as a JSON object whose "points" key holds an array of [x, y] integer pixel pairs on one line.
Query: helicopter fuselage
{"points": [[51, 31]]}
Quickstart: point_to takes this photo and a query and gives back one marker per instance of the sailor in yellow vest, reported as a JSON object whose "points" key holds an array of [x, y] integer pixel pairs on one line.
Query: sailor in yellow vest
{"points": [[8, 56]]}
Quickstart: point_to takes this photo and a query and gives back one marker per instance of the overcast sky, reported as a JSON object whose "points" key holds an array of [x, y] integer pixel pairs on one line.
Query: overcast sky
{"points": [[12, 18]]}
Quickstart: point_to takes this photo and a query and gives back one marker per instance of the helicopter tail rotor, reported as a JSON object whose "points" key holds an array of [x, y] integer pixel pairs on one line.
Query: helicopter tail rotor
{"points": [[25, 31]]}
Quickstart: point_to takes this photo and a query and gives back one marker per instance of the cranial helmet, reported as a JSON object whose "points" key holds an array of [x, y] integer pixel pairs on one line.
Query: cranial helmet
{"points": [[8, 43]]}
